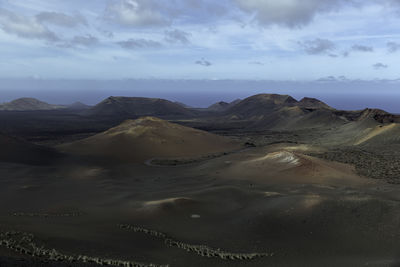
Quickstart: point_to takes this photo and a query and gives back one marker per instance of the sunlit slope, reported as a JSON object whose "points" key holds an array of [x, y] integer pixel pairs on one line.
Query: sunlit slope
{"points": [[366, 127], [284, 166]]}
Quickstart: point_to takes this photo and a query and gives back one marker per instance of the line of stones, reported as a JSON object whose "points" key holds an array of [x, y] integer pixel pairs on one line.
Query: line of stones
{"points": [[202, 250], [23, 243], [46, 215]]}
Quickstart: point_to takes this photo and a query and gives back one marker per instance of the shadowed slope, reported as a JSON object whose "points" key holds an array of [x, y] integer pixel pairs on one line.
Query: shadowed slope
{"points": [[18, 151]]}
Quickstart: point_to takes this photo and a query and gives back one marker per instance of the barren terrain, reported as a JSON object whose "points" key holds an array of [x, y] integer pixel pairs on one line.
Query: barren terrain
{"points": [[269, 181]]}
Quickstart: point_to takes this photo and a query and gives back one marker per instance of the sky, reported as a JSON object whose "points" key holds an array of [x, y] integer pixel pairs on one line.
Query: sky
{"points": [[319, 42]]}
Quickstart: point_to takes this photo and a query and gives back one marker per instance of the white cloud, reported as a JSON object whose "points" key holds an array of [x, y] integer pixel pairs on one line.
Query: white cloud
{"points": [[139, 44], [136, 13], [362, 48], [24, 26], [203, 62], [393, 47], [379, 66], [318, 46], [292, 13], [80, 41], [177, 36], [61, 19]]}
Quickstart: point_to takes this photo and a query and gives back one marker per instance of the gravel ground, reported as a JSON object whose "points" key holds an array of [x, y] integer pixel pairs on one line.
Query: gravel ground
{"points": [[25, 262], [377, 165]]}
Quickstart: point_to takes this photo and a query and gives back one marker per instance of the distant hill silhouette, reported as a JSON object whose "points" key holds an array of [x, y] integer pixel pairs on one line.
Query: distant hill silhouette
{"points": [[28, 104]]}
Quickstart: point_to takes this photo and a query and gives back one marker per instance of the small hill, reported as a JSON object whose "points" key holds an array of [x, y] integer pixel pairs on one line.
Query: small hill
{"points": [[286, 165], [308, 102], [182, 104], [261, 104], [148, 137], [296, 118], [138, 107], [222, 106], [379, 115], [28, 104], [19, 151]]}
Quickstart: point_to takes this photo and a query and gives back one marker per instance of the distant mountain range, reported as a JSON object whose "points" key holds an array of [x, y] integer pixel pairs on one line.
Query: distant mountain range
{"points": [[259, 113], [263, 111]]}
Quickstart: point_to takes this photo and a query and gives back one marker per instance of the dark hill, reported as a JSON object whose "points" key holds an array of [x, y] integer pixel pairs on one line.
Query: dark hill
{"points": [[219, 106], [262, 104], [223, 106], [137, 107]]}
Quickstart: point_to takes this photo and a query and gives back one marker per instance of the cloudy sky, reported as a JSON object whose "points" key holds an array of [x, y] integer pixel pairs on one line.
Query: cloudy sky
{"points": [[345, 52], [200, 39]]}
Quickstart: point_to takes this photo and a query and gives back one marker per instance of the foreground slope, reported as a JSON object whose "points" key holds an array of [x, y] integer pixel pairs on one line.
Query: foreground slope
{"points": [[146, 138]]}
